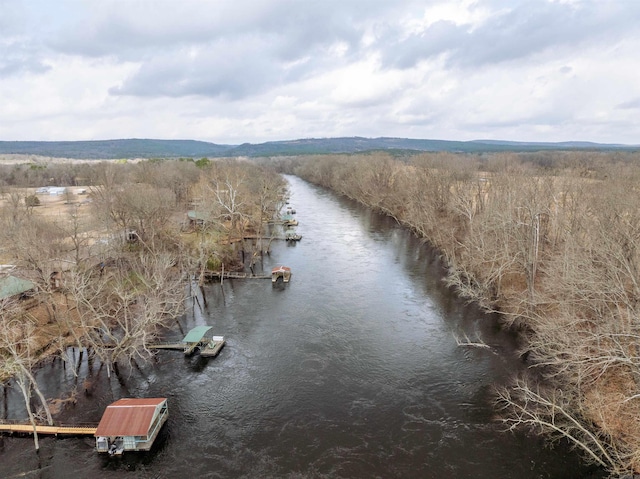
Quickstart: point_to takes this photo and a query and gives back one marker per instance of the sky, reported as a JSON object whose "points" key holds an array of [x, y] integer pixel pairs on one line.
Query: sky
{"points": [[236, 71]]}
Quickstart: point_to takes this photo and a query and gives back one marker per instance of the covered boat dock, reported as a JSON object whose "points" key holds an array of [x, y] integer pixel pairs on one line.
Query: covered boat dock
{"points": [[198, 338], [280, 273], [131, 424]]}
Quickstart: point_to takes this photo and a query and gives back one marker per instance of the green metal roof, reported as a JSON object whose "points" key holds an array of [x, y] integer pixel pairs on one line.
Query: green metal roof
{"points": [[11, 286], [196, 334], [198, 215]]}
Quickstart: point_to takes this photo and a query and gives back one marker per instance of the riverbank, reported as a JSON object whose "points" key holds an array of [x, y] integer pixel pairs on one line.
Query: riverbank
{"points": [[106, 264], [319, 378], [554, 253]]}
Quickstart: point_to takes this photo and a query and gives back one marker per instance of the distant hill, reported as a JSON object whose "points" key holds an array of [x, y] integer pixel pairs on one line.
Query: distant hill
{"points": [[147, 148], [114, 149]]}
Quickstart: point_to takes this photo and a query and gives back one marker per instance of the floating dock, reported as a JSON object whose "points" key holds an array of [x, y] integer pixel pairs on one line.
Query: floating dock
{"points": [[197, 338], [291, 235], [212, 349], [280, 273], [131, 424]]}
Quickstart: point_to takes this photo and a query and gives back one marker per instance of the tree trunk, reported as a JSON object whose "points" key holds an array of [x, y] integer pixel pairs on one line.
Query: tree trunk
{"points": [[27, 396]]}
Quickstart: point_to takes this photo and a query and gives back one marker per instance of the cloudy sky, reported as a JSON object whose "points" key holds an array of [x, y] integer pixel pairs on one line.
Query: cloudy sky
{"points": [[235, 71]]}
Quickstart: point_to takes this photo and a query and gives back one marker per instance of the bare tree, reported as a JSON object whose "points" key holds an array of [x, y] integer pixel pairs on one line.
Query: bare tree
{"points": [[17, 343], [123, 307]]}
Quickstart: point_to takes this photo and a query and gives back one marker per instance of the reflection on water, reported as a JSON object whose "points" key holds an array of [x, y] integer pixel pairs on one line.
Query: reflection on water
{"points": [[350, 370]]}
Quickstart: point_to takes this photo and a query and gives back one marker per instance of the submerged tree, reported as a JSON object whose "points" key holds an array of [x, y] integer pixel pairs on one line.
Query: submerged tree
{"points": [[19, 357], [123, 306]]}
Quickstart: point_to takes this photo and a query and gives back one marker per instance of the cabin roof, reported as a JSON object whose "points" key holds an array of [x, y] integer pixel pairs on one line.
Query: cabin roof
{"points": [[11, 286], [198, 215], [129, 417], [196, 334]]}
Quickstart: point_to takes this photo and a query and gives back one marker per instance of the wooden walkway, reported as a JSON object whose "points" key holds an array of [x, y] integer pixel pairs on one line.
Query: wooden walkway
{"points": [[178, 346], [268, 238], [189, 349], [27, 428], [234, 275]]}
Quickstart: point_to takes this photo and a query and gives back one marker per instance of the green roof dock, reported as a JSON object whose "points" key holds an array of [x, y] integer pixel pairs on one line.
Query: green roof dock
{"points": [[197, 338]]}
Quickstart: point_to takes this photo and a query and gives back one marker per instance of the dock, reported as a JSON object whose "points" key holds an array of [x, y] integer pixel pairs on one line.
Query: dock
{"points": [[27, 428], [173, 346], [197, 338], [280, 273], [210, 350], [234, 275], [131, 424]]}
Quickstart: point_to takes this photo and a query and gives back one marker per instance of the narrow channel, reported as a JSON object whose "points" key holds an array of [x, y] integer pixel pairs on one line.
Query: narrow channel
{"points": [[349, 371]]}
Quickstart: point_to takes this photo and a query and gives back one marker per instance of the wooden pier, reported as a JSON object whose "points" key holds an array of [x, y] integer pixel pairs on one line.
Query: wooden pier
{"points": [[197, 338], [234, 275], [208, 350], [173, 346], [27, 428]]}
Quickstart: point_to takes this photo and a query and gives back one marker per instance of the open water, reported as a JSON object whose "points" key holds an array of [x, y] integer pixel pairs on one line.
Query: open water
{"points": [[349, 371]]}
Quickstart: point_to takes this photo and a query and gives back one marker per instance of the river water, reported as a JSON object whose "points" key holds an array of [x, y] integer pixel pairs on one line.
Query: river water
{"points": [[349, 371]]}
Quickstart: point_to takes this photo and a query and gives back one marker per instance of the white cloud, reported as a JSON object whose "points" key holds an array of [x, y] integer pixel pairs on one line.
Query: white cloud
{"points": [[245, 70]]}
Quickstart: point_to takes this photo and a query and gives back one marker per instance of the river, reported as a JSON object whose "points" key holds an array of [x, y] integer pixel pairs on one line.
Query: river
{"points": [[349, 371]]}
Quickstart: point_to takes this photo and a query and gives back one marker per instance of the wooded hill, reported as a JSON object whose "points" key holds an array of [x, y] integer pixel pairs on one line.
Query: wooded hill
{"points": [[149, 148]]}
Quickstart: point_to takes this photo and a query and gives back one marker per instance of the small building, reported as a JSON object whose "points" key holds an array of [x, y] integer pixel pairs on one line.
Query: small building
{"points": [[131, 424], [11, 286], [57, 190], [281, 272]]}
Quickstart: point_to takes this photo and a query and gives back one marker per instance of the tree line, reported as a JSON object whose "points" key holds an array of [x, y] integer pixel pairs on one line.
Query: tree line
{"points": [[551, 242]]}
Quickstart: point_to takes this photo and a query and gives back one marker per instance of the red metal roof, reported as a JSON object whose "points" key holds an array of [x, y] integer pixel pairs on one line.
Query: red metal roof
{"points": [[128, 417], [280, 268]]}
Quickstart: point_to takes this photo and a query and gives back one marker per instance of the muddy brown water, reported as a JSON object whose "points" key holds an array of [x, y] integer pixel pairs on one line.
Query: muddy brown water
{"points": [[349, 371]]}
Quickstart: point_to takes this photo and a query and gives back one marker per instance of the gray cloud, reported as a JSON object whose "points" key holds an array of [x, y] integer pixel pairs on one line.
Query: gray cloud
{"points": [[131, 30], [224, 70], [218, 49], [515, 33], [629, 105], [19, 53], [17, 58], [257, 70]]}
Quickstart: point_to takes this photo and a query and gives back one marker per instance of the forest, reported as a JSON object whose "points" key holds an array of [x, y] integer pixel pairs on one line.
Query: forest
{"points": [[551, 242]]}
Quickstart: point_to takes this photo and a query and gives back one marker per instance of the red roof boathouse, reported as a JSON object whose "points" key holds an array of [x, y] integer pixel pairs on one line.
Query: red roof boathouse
{"points": [[131, 425]]}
